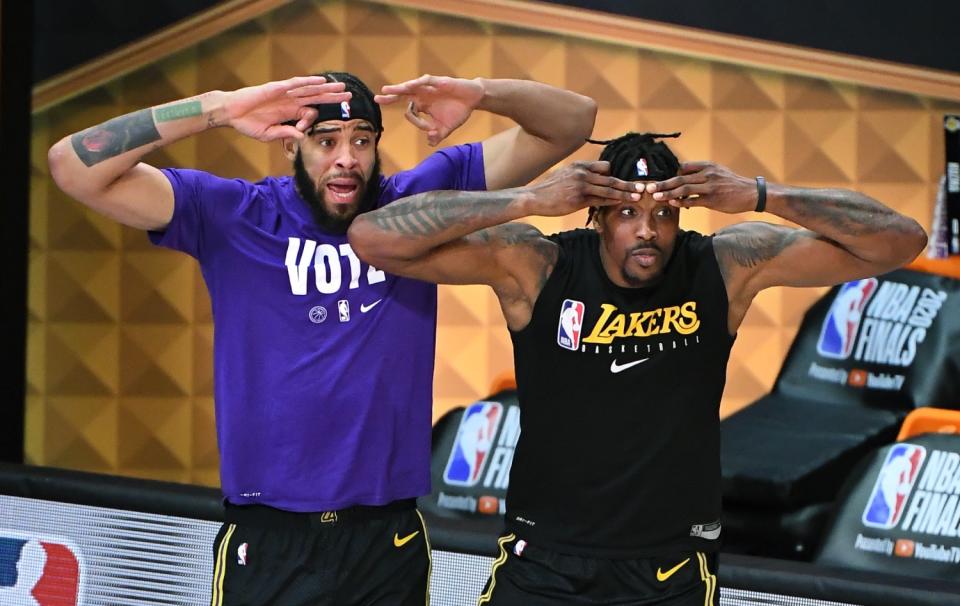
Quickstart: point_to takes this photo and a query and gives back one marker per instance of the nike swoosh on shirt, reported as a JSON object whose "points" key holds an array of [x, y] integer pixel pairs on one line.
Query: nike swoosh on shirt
{"points": [[364, 308], [615, 368]]}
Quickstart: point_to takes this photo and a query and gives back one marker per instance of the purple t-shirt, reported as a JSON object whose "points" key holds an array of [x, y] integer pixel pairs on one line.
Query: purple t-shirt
{"points": [[323, 365]]}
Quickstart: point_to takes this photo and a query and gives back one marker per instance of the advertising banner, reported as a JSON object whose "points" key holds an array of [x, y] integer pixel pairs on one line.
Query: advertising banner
{"points": [[902, 514]]}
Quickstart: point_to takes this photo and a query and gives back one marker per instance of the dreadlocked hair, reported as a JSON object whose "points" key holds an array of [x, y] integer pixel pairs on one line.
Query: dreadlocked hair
{"points": [[638, 157]]}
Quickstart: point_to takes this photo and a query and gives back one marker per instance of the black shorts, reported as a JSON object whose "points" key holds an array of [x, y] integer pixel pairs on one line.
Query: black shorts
{"points": [[362, 555], [525, 575]]}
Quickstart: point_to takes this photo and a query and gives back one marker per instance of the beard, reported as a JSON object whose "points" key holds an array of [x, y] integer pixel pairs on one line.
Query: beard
{"points": [[336, 224], [638, 281]]}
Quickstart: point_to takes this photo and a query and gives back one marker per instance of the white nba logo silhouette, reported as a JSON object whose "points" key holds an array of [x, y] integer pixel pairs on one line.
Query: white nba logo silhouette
{"points": [[477, 439], [570, 321]]}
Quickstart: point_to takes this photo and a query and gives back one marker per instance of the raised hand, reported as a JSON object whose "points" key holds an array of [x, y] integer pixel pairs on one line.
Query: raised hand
{"points": [[261, 111], [709, 185], [437, 105], [578, 186]]}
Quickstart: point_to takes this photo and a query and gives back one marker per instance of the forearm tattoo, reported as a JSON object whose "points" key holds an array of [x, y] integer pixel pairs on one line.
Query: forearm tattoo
{"points": [[433, 213], [115, 137], [849, 212]]}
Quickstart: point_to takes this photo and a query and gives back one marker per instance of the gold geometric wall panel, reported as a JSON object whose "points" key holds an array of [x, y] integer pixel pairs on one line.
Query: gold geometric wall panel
{"points": [[120, 334]]}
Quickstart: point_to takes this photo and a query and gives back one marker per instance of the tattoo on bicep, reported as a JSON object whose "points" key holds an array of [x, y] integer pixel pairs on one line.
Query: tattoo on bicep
{"points": [[431, 213], [749, 248], [548, 253], [115, 137], [543, 253]]}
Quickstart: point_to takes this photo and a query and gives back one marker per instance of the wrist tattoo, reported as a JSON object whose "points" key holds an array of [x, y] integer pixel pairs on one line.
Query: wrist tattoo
{"points": [[114, 137], [177, 111]]}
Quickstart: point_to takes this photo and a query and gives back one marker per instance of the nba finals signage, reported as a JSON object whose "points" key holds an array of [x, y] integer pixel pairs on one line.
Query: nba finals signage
{"points": [[879, 340], [472, 455], [903, 514]]}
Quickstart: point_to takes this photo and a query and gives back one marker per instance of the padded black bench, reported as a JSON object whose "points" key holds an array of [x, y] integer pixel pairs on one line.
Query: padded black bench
{"points": [[866, 354]]}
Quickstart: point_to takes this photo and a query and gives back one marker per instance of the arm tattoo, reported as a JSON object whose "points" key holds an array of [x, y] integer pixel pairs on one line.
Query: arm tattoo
{"points": [[432, 213], [544, 252], [850, 212], [115, 137], [750, 244], [751, 249], [178, 111]]}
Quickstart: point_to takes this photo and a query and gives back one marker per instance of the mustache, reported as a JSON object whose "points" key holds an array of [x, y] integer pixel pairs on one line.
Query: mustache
{"points": [[644, 247], [350, 174]]}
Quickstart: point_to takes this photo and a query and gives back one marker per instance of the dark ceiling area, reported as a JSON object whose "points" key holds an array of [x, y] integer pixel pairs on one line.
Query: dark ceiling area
{"points": [[68, 33], [925, 33]]}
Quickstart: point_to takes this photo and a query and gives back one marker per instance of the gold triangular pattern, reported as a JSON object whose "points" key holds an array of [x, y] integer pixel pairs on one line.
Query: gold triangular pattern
{"points": [[81, 359], [814, 94], [878, 160], [364, 19], [142, 447], [204, 434], [154, 288], [304, 21], [737, 88], [156, 360], [79, 426], [452, 312], [876, 99], [71, 226], [606, 73], [539, 58], [203, 361]]}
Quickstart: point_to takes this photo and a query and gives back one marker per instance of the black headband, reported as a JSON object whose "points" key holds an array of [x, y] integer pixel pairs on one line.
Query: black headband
{"points": [[359, 107]]}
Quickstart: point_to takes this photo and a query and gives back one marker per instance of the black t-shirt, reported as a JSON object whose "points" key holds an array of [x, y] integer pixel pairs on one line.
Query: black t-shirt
{"points": [[619, 390]]}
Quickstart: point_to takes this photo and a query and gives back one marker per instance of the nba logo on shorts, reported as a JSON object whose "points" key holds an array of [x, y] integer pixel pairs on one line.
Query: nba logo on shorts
{"points": [[35, 570], [840, 327], [571, 318], [894, 483], [474, 441]]}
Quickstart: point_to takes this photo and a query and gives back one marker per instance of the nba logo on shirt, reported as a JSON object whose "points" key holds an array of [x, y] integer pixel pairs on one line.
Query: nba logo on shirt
{"points": [[894, 483], [474, 441], [345, 110], [571, 318], [343, 306], [840, 327], [35, 570]]}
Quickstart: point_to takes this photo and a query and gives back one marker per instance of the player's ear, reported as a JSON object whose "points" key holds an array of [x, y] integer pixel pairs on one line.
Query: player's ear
{"points": [[290, 147]]}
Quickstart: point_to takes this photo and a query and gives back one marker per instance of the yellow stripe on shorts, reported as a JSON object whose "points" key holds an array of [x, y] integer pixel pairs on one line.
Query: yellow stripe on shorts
{"points": [[220, 567], [710, 580], [426, 538], [496, 564]]}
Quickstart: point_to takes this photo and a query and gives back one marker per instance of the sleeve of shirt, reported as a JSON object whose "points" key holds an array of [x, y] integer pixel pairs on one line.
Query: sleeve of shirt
{"points": [[459, 168], [202, 203]]}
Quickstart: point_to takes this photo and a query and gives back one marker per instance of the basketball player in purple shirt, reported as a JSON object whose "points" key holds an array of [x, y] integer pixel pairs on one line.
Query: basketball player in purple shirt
{"points": [[323, 364]]}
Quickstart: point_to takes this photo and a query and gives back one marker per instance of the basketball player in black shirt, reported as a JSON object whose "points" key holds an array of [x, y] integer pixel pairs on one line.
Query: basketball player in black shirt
{"points": [[621, 338]]}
